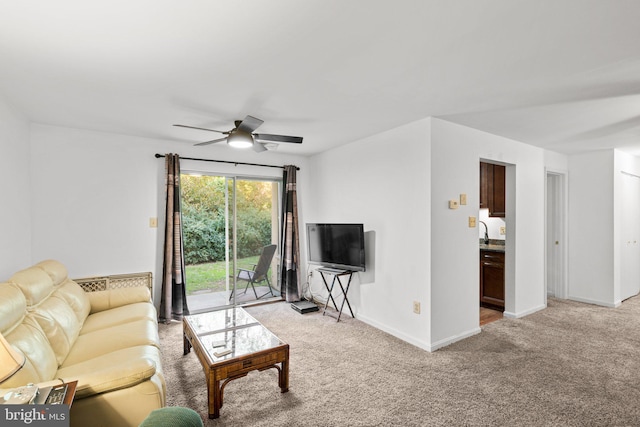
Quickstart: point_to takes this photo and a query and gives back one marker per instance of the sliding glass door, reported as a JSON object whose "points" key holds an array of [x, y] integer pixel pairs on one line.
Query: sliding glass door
{"points": [[228, 220]]}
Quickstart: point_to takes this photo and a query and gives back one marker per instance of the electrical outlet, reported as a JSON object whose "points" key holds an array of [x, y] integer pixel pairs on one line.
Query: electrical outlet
{"points": [[472, 222], [416, 307], [503, 230]]}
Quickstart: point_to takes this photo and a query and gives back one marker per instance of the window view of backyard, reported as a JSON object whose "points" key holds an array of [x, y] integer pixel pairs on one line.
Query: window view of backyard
{"points": [[207, 211]]}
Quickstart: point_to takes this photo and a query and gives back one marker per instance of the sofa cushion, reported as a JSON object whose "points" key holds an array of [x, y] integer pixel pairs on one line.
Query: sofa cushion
{"points": [[13, 307], [94, 374], [118, 316], [76, 297], [54, 269], [118, 297], [35, 284], [66, 288], [41, 363], [106, 340], [127, 406], [59, 323]]}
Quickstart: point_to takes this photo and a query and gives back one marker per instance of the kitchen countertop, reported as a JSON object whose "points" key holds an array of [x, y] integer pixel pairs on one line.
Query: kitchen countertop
{"points": [[492, 247]]}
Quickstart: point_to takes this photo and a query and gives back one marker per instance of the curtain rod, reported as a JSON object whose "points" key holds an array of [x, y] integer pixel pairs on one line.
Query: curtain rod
{"points": [[227, 161]]}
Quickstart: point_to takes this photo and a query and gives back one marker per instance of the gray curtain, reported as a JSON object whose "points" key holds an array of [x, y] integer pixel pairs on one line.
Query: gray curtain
{"points": [[173, 302], [290, 273]]}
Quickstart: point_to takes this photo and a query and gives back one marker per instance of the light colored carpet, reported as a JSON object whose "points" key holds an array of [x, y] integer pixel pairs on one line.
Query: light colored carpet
{"points": [[572, 364]]}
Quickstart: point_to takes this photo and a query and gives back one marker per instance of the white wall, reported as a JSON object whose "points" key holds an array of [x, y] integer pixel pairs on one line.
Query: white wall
{"points": [[455, 157], [93, 194], [604, 251], [591, 246], [425, 251], [15, 210], [556, 162], [383, 182]]}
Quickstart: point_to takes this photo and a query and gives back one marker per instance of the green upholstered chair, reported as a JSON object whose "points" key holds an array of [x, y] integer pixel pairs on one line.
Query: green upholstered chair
{"points": [[172, 416]]}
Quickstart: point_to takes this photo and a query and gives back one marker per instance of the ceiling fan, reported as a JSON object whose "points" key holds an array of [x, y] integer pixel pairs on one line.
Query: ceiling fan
{"points": [[242, 135]]}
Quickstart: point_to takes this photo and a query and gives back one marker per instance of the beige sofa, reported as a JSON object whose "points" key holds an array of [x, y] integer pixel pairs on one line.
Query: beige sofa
{"points": [[107, 341]]}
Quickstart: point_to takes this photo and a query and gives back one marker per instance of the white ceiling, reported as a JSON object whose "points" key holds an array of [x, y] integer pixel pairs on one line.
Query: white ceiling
{"points": [[560, 74]]}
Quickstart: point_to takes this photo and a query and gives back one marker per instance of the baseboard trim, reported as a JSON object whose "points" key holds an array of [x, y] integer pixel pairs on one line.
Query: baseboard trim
{"points": [[511, 315], [614, 304], [391, 331], [448, 341]]}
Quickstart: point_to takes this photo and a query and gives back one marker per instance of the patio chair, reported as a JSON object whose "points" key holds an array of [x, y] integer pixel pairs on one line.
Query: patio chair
{"points": [[259, 273]]}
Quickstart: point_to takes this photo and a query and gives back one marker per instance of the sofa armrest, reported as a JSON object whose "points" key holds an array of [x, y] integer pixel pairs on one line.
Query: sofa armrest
{"points": [[112, 298], [114, 378]]}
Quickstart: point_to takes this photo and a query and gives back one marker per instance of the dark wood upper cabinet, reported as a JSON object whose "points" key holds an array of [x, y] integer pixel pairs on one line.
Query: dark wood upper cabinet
{"points": [[492, 189], [484, 185], [498, 207]]}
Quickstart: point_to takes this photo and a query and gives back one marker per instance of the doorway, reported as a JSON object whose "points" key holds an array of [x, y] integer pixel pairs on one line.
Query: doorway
{"points": [[497, 257], [227, 221], [629, 235], [492, 235], [555, 238]]}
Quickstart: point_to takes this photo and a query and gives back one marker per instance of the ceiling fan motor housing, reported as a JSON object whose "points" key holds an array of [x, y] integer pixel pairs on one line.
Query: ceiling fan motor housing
{"points": [[240, 139]]}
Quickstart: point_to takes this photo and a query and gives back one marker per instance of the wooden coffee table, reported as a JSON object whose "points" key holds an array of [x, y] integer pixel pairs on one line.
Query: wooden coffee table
{"points": [[249, 347]]}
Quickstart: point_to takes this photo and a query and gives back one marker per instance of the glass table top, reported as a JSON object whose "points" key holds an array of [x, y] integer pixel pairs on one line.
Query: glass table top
{"points": [[231, 329]]}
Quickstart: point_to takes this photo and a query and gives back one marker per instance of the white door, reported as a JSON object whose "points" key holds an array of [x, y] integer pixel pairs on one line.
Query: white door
{"points": [[630, 237], [555, 231]]}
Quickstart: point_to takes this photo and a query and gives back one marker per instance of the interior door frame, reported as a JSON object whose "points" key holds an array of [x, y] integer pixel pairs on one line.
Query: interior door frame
{"points": [[556, 232]]}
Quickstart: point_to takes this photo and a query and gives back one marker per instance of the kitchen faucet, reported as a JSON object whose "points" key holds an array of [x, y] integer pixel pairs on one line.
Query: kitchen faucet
{"points": [[486, 233]]}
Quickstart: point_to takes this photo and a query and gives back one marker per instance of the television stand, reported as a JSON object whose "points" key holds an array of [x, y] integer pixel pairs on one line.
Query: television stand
{"points": [[336, 273]]}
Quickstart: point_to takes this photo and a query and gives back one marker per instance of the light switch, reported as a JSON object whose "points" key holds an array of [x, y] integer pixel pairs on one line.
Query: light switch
{"points": [[463, 199], [453, 204], [472, 222], [153, 222]]}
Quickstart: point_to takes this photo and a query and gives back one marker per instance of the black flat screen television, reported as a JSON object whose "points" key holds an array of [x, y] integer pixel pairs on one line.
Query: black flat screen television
{"points": [[338, 246]]}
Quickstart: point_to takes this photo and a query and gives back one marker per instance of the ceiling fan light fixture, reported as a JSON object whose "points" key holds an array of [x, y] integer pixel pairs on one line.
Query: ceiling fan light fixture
{"points": [[242, 136], [240, 139]]}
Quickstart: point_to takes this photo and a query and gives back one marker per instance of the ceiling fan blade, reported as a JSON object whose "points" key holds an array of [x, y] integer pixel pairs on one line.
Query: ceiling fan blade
{"points": [[277, 138], [249, 124], [194, 127], [258, 147], [212, 142]]}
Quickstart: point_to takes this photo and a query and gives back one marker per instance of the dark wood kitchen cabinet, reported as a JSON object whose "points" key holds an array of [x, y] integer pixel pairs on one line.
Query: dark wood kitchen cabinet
{"points": [[484, 185], [492, 279], [492, 189]]}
